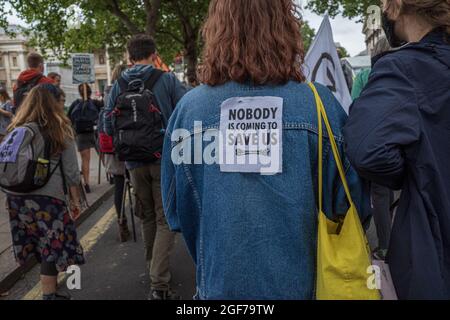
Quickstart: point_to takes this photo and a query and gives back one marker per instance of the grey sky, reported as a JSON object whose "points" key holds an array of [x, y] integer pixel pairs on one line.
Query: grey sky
{"points": [[347, 32]]}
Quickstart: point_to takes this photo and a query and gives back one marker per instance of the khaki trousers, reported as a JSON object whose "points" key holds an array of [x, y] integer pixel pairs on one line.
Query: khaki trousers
{"points": [[157, 237]]}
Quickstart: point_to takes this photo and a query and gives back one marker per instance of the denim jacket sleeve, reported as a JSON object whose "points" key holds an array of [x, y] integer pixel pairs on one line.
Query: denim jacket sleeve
{"points": [[109, 108], [168, 183], [383, 122], [176, 187]]}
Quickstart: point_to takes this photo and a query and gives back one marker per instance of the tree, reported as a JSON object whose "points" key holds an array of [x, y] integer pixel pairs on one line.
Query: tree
{"points": [[348, 8], [182, 21], [65, 26], [308, 35], [342, 52]]}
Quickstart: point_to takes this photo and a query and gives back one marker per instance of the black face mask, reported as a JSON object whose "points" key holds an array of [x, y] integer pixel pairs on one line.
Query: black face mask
{"points": [[389, 29]]}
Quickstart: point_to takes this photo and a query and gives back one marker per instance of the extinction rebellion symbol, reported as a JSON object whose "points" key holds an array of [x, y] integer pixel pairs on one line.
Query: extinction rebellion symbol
{"points": [[326, 59]]}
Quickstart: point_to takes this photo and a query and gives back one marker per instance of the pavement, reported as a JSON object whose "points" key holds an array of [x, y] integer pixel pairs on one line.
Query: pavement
{"points": [[113, 270], [9, 269]]}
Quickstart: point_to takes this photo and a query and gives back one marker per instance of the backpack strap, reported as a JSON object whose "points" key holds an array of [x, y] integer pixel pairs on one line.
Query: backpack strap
{"points": [[72, 108], [154, 77], [47, 149], [36, 80], [149, 84], [30, 127], [47, 156], [123, 84]]}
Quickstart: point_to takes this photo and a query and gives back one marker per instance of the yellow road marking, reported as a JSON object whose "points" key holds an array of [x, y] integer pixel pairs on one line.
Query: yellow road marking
{"points": [[87, 242]]}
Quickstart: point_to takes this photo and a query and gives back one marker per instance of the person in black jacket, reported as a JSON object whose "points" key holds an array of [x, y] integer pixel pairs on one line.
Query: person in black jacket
{"points": [[85, 140], [398, 135]]}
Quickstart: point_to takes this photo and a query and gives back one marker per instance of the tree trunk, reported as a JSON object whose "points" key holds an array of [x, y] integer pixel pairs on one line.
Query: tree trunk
{"points": [[152, 10], [114, 7], [191, 57], [151, 7], [190, 35]]}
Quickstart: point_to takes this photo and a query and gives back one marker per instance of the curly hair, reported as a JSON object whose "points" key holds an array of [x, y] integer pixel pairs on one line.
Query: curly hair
{"points": [[256, 41]]}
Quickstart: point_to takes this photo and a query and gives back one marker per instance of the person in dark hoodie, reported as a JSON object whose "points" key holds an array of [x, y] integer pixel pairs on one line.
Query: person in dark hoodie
{"points": [[146, 176], [398, 136], [30, 78]]}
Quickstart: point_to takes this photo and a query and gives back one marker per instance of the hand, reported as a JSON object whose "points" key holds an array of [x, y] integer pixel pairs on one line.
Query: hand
{"points": [[74, 202], [9, 114], [75, 211]]}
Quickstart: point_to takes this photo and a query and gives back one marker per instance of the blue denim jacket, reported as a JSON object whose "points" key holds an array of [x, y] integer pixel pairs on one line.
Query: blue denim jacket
{"points": [[254, 236]]}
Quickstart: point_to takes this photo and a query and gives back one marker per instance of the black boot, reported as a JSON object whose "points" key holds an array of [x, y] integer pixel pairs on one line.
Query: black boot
{"points": [[124, 232], [160, 295]]}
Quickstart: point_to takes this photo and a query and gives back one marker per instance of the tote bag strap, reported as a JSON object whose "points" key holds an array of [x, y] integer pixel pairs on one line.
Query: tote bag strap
{"points": [[322, 116]]}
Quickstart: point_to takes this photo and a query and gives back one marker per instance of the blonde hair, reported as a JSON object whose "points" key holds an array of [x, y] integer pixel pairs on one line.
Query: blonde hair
{"points": [[41, 107], [435, 12], [117, 72]]}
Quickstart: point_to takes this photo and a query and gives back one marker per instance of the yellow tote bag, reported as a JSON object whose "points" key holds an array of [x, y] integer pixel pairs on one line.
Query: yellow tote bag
{"points": [[343, 255]]}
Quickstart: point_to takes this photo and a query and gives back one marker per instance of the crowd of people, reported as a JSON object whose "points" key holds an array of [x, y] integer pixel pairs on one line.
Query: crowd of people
{"points": [[251, 235]]}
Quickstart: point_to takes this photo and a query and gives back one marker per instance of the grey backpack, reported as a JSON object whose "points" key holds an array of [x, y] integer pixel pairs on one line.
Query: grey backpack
{"points": [[25, 160]]}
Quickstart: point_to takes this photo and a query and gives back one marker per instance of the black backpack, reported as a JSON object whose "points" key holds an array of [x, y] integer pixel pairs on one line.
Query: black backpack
{"points": [[138, 121], [84, 116], [23, 88]]}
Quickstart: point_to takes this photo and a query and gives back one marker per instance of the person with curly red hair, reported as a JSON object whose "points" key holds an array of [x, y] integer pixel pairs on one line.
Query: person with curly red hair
{"points": [[250, 228]]}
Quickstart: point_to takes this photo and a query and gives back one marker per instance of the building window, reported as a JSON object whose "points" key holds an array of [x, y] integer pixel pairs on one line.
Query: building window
{"points": [[1, 61], [101, 59], [14, 62], [102, 86]]}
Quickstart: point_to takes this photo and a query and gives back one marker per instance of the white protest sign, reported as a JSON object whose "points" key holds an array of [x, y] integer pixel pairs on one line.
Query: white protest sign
{"points": [[252, 131], [83, 68], [322, 65]]}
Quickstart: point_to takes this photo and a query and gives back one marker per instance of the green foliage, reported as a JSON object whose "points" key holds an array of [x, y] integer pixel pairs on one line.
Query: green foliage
{"points": [[42, 21], [179, 26], [348, 8], [308, 35], [342, 52], [67, 26]]}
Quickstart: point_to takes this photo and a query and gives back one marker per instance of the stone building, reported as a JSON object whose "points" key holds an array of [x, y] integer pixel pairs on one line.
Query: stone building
{"points": [[13, 53], [372, 36]]}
